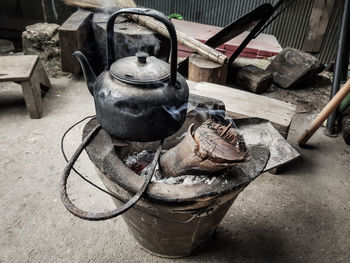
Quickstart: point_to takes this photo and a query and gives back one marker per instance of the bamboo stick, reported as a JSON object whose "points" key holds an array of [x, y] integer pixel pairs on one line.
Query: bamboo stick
{"points": [[182, 39], [331, 106], [100, 5]]}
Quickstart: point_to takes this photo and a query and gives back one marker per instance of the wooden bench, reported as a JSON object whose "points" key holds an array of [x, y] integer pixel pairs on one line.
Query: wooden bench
{"points": [[30, 74]]}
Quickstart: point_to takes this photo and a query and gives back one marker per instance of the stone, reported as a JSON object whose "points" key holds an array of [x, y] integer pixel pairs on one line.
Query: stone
{"points": [[292, 68], [42, 39]]}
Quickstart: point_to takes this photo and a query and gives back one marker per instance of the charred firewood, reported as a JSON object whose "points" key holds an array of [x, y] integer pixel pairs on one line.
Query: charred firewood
{"points": [[211, 148]]}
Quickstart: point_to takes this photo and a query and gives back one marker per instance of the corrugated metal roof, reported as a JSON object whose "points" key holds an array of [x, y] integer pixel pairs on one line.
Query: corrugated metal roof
{"points": [[290, 28]]}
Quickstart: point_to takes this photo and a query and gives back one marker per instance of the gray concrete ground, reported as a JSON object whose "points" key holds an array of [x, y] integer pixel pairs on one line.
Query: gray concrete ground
{"points": [[301, 215]]}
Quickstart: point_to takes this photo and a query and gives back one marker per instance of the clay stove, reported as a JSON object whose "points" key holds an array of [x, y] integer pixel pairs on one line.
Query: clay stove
{"points": [[171, 219]]}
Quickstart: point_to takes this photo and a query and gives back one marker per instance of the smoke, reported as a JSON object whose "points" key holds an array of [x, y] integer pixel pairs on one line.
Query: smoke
{"points": [[214, 114], [176, 112], [139, 42]]}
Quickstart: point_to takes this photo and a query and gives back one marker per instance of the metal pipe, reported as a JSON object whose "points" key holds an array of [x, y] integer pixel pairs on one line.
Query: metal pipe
{"points": [[342, 54], [344, 67], [255, 31]]}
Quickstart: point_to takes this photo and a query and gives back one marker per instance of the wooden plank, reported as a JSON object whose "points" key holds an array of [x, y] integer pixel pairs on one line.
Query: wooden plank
{"points": [[240, 104], [257, 131], [17, 68], [320, 14], [73, 34]]}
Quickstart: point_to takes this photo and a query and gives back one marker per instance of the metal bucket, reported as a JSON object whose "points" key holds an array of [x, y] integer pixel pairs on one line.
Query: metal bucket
{"points": [[170, 220], [172, 229]]}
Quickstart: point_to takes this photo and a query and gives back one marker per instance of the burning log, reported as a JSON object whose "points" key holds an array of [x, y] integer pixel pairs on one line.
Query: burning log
{"points": [[211, 148]]}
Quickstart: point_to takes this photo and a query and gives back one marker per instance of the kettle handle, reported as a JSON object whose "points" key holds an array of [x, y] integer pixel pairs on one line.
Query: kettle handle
{"points": [[146, 12]]}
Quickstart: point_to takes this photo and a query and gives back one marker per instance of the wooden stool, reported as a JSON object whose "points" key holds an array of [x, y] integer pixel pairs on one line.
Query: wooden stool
{"points": [[30, 74]]}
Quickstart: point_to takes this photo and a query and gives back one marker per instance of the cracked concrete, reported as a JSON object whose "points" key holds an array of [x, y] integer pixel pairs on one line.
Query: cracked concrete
{"points": [[300, 215]]}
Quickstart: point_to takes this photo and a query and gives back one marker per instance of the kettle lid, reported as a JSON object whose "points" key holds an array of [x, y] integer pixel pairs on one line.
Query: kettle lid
{"points": [[140, 69]]}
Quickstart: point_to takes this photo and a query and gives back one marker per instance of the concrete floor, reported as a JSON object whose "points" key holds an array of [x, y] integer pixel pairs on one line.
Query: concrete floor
{"points": [[301, 215]]}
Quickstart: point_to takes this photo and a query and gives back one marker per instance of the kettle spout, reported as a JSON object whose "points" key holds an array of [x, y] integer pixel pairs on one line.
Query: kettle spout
{"points": [[89, 75]]}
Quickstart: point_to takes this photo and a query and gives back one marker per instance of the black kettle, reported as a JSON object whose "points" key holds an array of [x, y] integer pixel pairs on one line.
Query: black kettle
{"points": [[138, 98]]}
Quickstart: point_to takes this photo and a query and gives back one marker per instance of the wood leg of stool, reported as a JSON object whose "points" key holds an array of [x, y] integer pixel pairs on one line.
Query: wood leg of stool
{"points": [[32, 98], [39, 75], [32, 90]]}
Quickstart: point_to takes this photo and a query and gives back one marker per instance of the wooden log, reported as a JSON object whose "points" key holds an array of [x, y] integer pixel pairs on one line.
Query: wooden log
{"points": [[252, 78], [182, 39], [73, 35], [202, 69]]}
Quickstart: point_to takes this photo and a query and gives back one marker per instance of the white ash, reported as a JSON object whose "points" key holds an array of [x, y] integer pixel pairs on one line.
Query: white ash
{"points": [[133, 158], [184, 179]]}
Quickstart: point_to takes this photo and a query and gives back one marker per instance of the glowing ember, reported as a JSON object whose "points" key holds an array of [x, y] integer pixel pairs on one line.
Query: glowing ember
{"points": [[137, 161]]}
